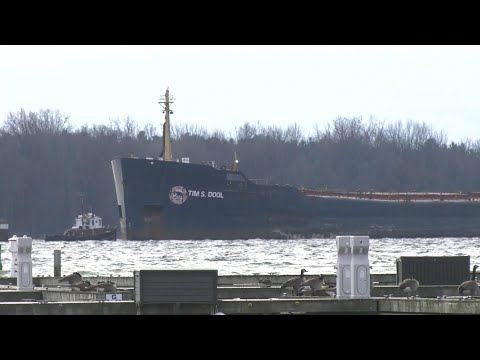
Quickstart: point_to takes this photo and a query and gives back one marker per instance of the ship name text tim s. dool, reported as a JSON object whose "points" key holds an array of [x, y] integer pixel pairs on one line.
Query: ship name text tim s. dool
{"points": [[210, 194]]}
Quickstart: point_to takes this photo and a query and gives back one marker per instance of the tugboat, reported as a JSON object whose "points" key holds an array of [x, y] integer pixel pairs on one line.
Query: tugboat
{"points": [[87, 227]]}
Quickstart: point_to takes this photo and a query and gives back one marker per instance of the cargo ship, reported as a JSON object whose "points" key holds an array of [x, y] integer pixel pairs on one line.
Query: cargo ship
{"points": [[165, 199]]}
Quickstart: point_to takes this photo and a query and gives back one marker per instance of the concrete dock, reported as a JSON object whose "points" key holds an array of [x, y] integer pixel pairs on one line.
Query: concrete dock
{"points": [[236, 295], [275, 306]]}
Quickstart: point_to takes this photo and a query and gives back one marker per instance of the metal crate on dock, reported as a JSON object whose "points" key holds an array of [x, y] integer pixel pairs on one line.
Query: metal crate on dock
{"points": [[434, 270], [175, 286]]}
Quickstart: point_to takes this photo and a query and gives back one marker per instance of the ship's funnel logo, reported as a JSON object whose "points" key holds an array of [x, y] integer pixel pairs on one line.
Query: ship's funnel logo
{"points": [[178, 195]]}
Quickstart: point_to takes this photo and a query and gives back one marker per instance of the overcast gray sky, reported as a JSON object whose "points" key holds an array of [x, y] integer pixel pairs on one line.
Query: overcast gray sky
{"points": [[220, 87]]}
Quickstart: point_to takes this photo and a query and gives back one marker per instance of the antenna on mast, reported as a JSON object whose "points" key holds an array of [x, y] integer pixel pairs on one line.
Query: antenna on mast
{"points": [[235, 163], [165, 101], [81, 201]]}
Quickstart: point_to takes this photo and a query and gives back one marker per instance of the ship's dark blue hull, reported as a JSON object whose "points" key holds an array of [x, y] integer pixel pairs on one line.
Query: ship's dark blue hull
{"points": [[173, 200]]}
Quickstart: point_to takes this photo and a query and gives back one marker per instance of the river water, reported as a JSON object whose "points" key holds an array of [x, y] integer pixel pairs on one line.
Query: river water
{"points": [[246, 257]]}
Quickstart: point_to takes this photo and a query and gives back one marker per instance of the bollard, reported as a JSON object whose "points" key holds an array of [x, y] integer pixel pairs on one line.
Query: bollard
{"points": [[57, 263], [344, 259], [360, 267], [13, 260], [24, 274], [1, 267]]}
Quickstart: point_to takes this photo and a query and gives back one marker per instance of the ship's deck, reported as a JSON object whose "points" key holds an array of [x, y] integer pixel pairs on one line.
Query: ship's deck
{"points": [[395, 196]]}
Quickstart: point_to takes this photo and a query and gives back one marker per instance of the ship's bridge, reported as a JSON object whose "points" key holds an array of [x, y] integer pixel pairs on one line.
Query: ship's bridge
{"points": [[87, 221]]}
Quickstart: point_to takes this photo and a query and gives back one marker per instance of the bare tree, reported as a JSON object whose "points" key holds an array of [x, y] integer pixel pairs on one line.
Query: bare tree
{"points": [[40, 150], [45, 121], [150, 131]]}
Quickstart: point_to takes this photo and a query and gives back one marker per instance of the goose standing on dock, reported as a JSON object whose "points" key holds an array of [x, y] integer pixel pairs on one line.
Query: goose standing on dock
{"points": [[74, 278], [294, 283], [470, 285], [409, 286], [315, 284]]}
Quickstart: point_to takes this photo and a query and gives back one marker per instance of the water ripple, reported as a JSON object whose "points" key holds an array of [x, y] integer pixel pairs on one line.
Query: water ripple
{"points": [[232, 257]]}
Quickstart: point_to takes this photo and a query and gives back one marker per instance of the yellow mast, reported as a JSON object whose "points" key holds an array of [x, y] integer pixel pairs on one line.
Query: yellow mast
{"points": [[167, 144]]}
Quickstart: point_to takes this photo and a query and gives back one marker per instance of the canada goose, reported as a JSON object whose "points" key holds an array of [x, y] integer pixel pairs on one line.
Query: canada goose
{"points": [[327, 289], [312, 286], [83, 286], [314, 283], [106, 286], [324, 290], [305, 290], [470, 285], [74, 278], [409, 285], [265, 281], [294, 283]]}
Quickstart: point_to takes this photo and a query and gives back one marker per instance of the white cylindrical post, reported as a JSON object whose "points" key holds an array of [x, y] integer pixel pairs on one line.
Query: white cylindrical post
{"points": [[13, 248], [344, 259], [360, 266], [24, 274]]}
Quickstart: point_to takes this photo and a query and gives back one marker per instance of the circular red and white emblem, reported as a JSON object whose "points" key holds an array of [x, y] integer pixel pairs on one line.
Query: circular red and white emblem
{"points": [[178, 195]]}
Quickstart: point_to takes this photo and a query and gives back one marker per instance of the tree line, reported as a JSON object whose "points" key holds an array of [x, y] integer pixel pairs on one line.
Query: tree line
{"points": [[46, 163]]}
